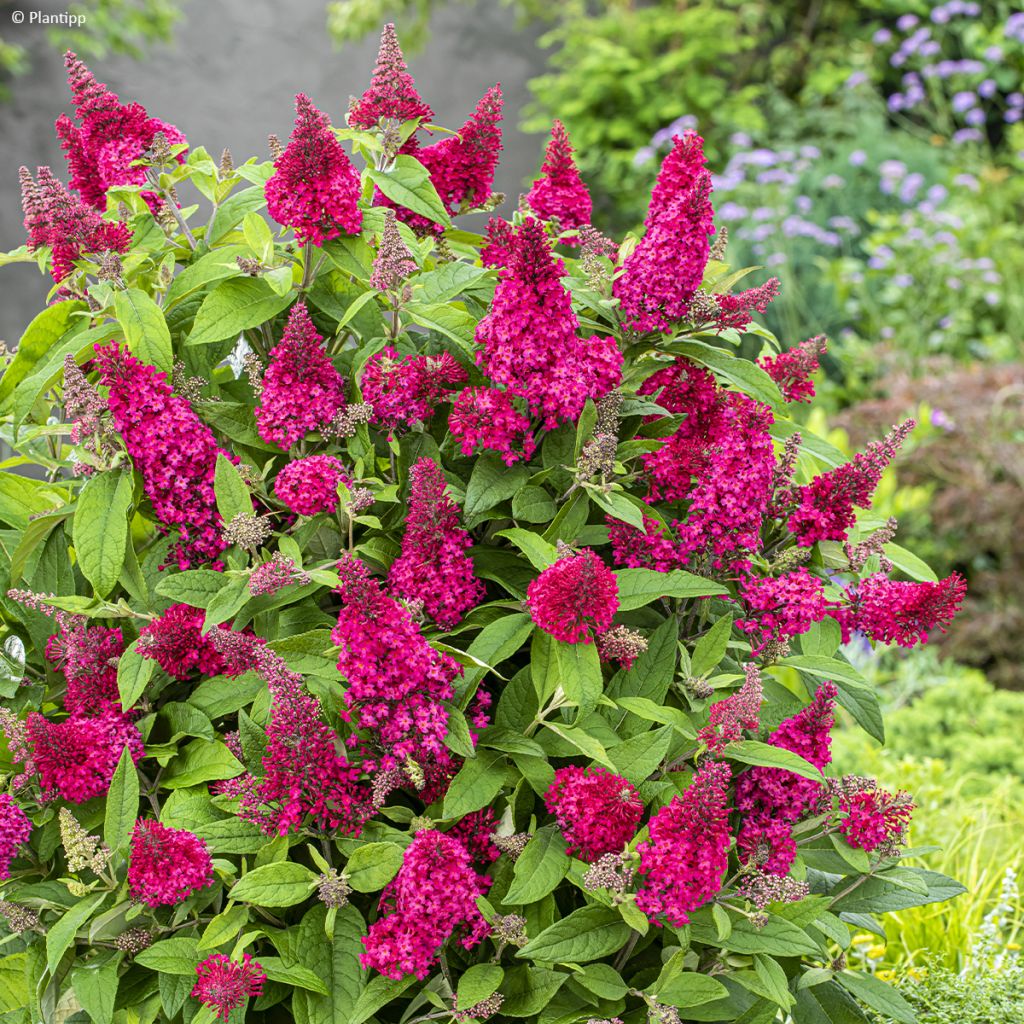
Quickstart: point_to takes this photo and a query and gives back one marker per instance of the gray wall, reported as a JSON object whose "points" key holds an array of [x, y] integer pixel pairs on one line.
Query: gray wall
{"points": [[229, 78]]}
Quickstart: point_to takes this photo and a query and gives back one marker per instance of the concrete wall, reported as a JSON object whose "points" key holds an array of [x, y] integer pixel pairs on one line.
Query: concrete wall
{"points": [[229, 78]]}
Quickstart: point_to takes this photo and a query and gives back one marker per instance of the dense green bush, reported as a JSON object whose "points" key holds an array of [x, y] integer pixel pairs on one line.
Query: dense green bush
{"points": [[402, 624]]}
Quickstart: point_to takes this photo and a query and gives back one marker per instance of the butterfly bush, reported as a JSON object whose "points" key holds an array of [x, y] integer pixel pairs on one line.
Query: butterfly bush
{"points": [[406, 616]]}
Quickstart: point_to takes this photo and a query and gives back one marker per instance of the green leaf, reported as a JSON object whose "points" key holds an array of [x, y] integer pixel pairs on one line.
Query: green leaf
{"points": [[691, 989], [233, 497], [373, 865], [201, 761], [826, 1004], [233, 210], [603, 980], [122, 803], [145, 328], [499, 640], [637, 758], [96, 989], [539, 868], [450, 321], [335, 959], [378, 993], [853, 855], [540, 553], [259, 237], [711, 647], [61, 935], [214, 266], [491, 483], [41, 335], [275, 885], [100, 530], [171, 956], [880, 895], [589, 933], [235, 306], [854, 692], [766, 756], [408, 184], [476, 984], [231, 836], [909, 563], [533, 505], [579, 667], [528, 989], [133, 674], [878, 995], [743, 374], [195, 587], [292, 974], [478, 782], [224, 927], [778, 937], [638, 587]]}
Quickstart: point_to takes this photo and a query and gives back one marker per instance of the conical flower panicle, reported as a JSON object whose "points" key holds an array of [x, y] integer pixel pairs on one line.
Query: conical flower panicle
{"points": [[314, 188], [109, 137], [302, 391], [392, 94], [559, 193], [678, 174]]}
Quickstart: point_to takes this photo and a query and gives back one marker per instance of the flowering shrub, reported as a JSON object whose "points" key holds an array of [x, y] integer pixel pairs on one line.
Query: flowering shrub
{"points": [[401, 620]]}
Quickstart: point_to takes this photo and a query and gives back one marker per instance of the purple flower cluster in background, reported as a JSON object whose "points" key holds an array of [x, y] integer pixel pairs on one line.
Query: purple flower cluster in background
{"points": [[950, 65]]}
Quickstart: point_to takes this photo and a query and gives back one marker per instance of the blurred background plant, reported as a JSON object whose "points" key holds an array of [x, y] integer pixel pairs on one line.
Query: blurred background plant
{"points": [[108, 26]]}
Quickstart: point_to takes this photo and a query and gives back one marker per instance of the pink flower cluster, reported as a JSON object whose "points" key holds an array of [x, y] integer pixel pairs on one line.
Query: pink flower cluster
{"points": [[682, 864], [75, 758], [314, 188], [303, 773], [56, 218], [166, 865], [901, 612], [15, 828], [598, 812], [662, 274], [575, 598], [729, 717], [175, 641], [499, 241], [736, 311], [279, 572], [310, 485], [872, 818], [780, 607], [486, 417], [302, 391], [224, 984], [720, 460], [392, 94], [559, 194], [650, 548], [87, 657], [772, 799], [529, 341], [173, 450], [432, 898], [396, 682], [792, 369], [434, 565], [407, 389], [102, 148], [827, 503]]}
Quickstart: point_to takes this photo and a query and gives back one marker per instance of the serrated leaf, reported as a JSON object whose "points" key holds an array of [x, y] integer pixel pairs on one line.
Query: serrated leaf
{"points": [[233, 497], [233, 307], [373, 865], [133, 673], [540, 553], [477, 783], [638, 587], [477, 983], [408, 184], [275, 885], [100, 529], [145, 328], [539, 868], [589, 933], [765, 755], [122, 806]]}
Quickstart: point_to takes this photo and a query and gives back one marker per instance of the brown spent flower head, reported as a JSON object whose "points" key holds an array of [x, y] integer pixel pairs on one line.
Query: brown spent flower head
{"points": [[512, 845], [479, 1011], [719, 245], [274, 145], [227, 164]]}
